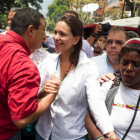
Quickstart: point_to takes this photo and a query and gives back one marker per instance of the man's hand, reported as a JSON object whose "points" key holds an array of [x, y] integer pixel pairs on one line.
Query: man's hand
{"points": [[50, 87], [106, 77]]}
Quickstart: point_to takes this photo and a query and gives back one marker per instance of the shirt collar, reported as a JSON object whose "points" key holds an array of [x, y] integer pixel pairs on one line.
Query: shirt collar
{"points": [[19, 40]]}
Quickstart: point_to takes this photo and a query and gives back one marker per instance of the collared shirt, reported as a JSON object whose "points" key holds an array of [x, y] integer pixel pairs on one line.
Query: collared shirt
{"points": [[103, 64], [19, 83], [65, 120]]}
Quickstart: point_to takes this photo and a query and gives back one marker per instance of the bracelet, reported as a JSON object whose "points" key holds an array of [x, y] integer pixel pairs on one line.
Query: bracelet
{"points": [[99, 138]]}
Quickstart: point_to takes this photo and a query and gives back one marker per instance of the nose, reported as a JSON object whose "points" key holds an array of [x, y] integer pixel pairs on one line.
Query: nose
{"points": [[113, 44], [129, 67], [9, 22], [56, 36]]}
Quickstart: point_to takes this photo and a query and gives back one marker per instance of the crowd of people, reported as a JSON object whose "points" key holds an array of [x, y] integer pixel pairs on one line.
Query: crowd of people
{"points": [[65, 87]]}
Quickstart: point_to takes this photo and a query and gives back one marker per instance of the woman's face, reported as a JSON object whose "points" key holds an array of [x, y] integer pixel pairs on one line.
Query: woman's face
{"points": [[130, 69], [63, 38]]}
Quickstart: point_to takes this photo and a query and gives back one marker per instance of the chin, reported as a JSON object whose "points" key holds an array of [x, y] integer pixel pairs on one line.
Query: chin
{"points": [[57, 51]]}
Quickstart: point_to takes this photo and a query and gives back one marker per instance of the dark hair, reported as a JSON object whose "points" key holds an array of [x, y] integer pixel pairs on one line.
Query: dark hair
{"points": [[76, 28], [15, 9], [131, 34], [25, 17], [130, 47], [98, 36], [72, 12]]}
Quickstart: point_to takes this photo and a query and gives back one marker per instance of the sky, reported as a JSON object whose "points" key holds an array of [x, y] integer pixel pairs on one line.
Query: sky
{"points": [[44, 6]]}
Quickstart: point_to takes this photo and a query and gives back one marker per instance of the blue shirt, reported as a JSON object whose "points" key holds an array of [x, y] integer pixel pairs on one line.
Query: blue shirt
{"points": [[103, 64]]}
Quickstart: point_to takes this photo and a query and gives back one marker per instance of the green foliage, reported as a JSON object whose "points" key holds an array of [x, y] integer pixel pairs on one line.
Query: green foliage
{"points": [[6, 5], [115, 14], [55, 10]]}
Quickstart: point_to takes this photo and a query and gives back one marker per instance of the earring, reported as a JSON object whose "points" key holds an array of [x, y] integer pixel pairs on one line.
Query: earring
{"points": [[74, 44]]}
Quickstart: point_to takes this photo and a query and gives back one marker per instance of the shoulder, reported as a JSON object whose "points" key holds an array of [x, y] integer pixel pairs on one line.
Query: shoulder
{"points": [[101, 58], [88, 65]]}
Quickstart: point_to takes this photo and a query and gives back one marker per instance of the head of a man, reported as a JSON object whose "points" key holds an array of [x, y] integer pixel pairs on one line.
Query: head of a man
{"points": [[30, 24], [11, 15], [116, 38]]}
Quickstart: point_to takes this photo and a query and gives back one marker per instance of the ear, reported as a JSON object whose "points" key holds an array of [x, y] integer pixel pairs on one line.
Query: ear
{"points": [[30, 30], [76, 40]]}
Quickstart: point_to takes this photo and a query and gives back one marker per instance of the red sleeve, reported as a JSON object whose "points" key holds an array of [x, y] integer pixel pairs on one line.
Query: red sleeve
{"points": [[23, 85]]}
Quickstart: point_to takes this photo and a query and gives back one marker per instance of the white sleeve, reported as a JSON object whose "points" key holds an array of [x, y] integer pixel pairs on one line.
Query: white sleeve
{"points": [[96, 100]]}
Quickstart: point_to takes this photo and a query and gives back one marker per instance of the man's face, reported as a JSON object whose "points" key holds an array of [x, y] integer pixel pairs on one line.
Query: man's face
{"points": [[39, 35], [10, 17], [114, 45]]}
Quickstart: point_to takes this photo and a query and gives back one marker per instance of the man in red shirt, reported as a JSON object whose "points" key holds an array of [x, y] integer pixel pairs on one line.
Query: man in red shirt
{"points": [[19, 77]]}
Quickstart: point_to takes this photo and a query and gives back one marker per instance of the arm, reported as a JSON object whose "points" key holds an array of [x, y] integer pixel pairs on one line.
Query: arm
{"points": [[94, 131], [96, 100], [50, 88], [92, 37]]}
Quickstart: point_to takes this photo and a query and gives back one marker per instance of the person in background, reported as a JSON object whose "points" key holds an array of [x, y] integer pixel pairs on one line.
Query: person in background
{"points": [[99, 45], [132, 34], [111, 76], [123, 101], [95, 33], [79, 86], [100, 29], [20, 80], [110, 62], [85, 47], [10, 17]]}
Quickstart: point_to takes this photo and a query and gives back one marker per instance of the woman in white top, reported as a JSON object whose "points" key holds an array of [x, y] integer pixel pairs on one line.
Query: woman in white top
{"points": [[79, 87], [122, 100]]}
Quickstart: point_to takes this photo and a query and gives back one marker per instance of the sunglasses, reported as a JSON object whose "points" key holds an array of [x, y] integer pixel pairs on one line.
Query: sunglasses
{"points": [[126, 62], [117, 42]]}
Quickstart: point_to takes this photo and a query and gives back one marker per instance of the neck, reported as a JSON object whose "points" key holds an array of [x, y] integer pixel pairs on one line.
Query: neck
{"points": [[64, 58], [115, 64], [96, 53]]}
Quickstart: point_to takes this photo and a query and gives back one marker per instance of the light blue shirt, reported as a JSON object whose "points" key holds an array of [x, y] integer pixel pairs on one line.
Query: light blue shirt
{"points": [[103, 64]]}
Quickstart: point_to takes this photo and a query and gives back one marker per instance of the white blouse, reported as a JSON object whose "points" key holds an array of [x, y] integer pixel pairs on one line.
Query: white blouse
{"points": [[65, 120]]}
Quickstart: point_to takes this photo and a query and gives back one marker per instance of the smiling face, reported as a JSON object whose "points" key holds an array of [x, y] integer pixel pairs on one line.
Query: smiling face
{"points": [[63, 38], [114, 44], [130, 69]]}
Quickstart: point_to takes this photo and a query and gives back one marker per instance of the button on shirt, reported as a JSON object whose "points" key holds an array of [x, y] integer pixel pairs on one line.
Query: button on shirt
{"points": [[65, 118]]}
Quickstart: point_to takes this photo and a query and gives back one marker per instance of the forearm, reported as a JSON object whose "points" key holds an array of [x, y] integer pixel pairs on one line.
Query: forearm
{"points": [[91, 127], [43, 105]]}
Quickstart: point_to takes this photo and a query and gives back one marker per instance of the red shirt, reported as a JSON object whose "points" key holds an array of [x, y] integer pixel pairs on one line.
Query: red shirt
{"points": [[19, 83]]}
